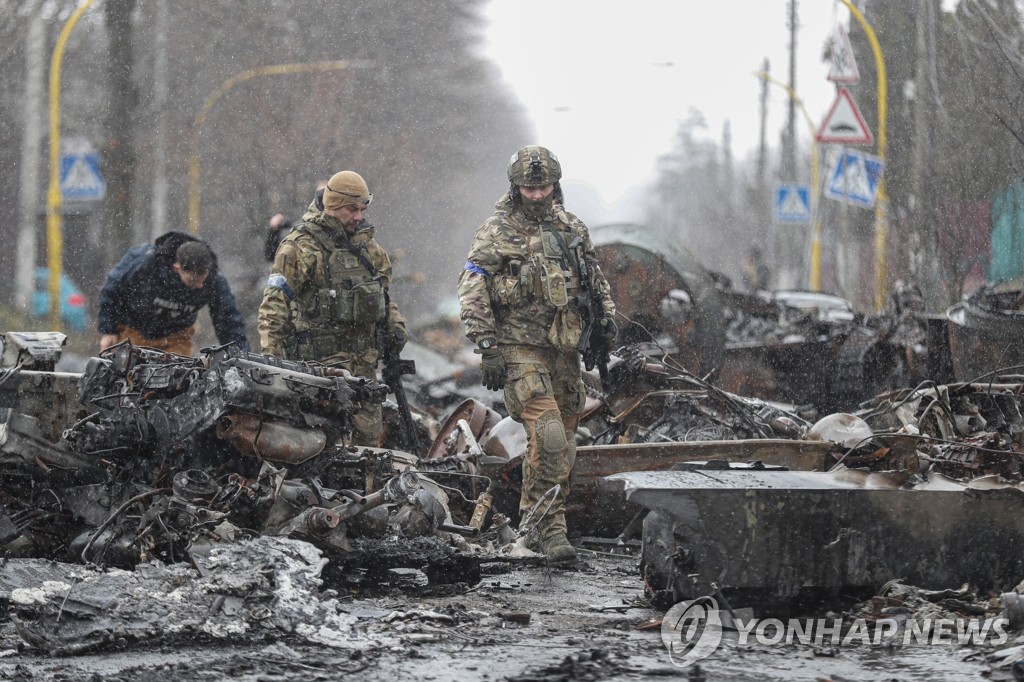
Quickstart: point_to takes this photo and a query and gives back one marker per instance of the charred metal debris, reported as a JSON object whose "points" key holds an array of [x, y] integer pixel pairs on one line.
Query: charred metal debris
{"points": [[148, 456]]}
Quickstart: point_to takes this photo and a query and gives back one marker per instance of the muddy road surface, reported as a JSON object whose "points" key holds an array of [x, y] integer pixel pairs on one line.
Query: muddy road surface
{"points": [[526, 623]]}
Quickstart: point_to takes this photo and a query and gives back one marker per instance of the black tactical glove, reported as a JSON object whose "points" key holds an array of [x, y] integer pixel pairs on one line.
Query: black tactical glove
{"points": [[607, 330], [493, 370]]}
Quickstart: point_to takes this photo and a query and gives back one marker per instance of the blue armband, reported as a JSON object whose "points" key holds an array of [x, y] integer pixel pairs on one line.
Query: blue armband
{"points": [[277, 281], [473, 267]]}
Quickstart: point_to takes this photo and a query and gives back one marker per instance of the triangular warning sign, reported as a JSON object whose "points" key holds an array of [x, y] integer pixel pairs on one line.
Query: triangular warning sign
{"points": [[843, 124], [844, 66]]}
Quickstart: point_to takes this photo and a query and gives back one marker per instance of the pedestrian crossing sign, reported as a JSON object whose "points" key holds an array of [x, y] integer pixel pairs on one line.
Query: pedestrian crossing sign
{"points": [[792, 204], [80, 177], [854, 178]]}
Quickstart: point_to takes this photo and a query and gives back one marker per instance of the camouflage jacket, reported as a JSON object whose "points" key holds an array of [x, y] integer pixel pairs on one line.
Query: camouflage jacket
{"points": [[299, 317], [519, 287]]}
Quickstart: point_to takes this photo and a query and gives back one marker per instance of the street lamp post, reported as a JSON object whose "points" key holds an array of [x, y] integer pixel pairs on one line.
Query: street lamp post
{"points": [[815, 265], [54, 214], [194, 190]]}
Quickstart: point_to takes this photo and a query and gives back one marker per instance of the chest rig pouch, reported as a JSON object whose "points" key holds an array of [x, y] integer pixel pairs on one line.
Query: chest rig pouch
{"points": [[352, 294], [349, 292], [552, 269]]}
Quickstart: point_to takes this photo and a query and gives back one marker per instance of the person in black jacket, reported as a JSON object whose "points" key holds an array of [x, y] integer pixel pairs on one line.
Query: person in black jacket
{"points": [[154, 293], [277, 228]]}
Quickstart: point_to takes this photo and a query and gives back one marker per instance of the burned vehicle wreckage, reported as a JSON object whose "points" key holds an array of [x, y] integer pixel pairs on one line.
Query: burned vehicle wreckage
{"points": [[148, 455], [800, 347]]}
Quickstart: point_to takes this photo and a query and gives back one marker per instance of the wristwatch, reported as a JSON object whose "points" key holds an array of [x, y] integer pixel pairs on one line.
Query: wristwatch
{"points": [[487, 343]]}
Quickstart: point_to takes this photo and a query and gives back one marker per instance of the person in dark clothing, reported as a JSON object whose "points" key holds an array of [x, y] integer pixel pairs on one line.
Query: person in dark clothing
{"points": [[155, 292], [277, 228], [755, 272]]}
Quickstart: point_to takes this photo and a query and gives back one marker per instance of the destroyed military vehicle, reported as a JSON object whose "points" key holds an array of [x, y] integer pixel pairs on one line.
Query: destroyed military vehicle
{"points": [[804, 348]]}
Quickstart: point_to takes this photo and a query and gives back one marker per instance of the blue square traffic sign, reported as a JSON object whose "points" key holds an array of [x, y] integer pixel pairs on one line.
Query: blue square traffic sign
{"points": [[855, 178], [80, 177], [792, 204]]}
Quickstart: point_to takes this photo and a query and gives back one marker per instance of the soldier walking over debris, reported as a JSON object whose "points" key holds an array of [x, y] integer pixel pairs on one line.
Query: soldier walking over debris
{"points": [[523, 301], [327, 296], [155, 292]]}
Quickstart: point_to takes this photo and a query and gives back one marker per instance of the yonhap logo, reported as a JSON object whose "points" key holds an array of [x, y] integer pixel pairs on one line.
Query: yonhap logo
{"points": [[691, 631]]}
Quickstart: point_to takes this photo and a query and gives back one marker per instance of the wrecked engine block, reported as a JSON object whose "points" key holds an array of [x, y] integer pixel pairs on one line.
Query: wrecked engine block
{"points": [[149, 455]]}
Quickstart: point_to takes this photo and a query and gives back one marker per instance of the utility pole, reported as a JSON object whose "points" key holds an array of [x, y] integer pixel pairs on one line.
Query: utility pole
{"points": [[119, 151], [728, 174], [762, 162], [34, 110], [923, 266], [789, 168], [787, 247], [158, 207]]}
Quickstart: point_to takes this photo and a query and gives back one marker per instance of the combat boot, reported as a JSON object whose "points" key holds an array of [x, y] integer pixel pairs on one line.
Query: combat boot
{"points": [[558, 549]]}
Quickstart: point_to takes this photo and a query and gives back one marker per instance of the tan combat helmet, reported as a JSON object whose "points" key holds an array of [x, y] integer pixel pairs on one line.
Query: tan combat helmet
{"points": [[534, 166]]}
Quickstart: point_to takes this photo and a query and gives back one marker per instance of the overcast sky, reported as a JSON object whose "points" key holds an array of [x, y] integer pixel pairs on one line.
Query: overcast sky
{"points": [[606, 83]]}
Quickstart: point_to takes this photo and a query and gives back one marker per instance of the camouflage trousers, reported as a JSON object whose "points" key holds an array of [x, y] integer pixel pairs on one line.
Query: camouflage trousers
{"points": [[545, 392], [368, 422], [179, 343]]}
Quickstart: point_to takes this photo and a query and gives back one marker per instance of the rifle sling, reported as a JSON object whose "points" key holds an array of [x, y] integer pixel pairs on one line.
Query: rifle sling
{"points": [[341, 239], [569, 254]]}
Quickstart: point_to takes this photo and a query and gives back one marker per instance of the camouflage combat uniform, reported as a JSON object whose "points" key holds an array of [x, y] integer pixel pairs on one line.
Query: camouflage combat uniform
{"points": [[322, 304], [519, 287]]}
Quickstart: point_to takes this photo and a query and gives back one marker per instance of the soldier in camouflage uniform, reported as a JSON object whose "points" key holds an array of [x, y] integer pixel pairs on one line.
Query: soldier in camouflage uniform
{"points": [[327, 296], [518, 296]]}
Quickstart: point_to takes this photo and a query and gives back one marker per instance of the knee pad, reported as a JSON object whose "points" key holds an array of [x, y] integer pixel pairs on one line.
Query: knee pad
{"points": [[550, 432]]}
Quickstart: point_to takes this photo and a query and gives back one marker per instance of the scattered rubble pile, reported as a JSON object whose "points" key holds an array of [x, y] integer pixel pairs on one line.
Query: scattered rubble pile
{"points": [[900, 602], [959, 430], [653, 399], [801, 347], [251, 590], [234, 465], [650, 401], [163, 450]]}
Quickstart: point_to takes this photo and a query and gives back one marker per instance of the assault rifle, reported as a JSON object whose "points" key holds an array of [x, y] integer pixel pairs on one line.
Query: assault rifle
{"points": [[394, 369], [593, 347]]}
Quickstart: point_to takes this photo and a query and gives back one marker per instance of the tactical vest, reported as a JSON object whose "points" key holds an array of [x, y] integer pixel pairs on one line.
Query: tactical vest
{"points": [[548, 276], [340, 312]]}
